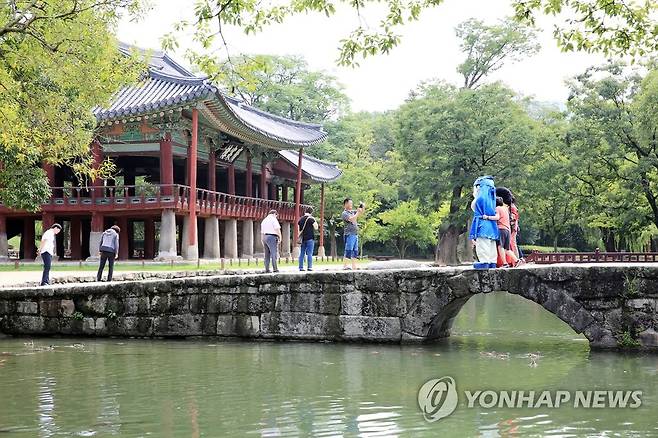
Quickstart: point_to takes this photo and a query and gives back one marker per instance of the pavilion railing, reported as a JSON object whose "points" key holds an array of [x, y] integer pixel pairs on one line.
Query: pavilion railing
{"points": [[592, 257], [156, 196]]}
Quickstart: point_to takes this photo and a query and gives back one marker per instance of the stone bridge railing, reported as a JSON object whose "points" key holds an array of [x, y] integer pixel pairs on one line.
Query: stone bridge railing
{"points": [[613, 306]]}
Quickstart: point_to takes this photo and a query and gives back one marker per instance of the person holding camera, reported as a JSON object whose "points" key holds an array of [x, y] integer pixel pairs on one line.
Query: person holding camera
{"points": [[351, 232]]}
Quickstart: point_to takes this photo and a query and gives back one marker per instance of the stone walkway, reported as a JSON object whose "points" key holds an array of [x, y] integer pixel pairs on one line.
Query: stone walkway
{"points": [[13, 278]]}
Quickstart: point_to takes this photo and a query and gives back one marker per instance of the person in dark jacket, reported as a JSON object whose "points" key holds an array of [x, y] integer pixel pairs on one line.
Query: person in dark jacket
{"points": [[307, 226], [109, 249]]}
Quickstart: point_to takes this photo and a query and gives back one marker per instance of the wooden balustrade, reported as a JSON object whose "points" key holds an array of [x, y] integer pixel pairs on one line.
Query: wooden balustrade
{"points": [[592, 257], [160, 196]]}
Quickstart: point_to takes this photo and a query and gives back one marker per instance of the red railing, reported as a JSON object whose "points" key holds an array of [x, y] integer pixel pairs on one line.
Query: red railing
{"points": [[592, 257], [159, 196]]}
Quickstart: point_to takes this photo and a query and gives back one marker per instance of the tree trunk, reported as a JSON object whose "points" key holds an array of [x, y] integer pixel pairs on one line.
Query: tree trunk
{"points": [[332, 236], [608, 239], [555, 237], [447, 254], [402, 249], [448, 239]]}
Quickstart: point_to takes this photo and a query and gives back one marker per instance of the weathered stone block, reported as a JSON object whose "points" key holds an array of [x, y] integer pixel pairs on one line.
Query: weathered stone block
{"points": [[139, 305], [376, 281], [298, 325], [383, 329], [70, 326], [159, 304], [49, 308], [30, 325], [381, 304], [307, 302], [138, 326], [178, 325], [647, 304], [67, 308], [648, 338], [198, 303], [224, 303], [99, 305], [27, 308], [238, 325], [273, 288], [7, 307], [351, 303]]}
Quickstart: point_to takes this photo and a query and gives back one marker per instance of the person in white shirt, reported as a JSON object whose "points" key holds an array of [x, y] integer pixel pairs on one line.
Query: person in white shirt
{"points": [[271, 237], [47, 251]]}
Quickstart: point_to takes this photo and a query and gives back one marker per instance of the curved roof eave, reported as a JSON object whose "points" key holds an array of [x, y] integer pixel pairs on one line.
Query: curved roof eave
{"points": [[317, 170]]}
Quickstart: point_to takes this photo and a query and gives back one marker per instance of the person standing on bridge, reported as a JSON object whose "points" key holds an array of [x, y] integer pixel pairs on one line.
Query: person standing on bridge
{"points": [[109, 249], [270, 230], [484, 233], [351, 232], [47, 250], [307, 226]]}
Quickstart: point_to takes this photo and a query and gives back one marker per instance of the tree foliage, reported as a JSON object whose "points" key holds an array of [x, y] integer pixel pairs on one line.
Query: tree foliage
{"points": [[285, 86], [58, 60], [488, 47], [608, 26], [407, 225]]}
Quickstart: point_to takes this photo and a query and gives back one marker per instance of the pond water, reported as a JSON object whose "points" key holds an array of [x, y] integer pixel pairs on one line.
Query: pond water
{"points": [[111, 387]]}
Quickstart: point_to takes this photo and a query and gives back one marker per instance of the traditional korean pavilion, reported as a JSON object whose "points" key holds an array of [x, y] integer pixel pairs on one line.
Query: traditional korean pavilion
{"points": [[197, 171]]}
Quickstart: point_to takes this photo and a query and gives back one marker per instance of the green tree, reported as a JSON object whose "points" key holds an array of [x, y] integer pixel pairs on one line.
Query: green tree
{"points": [[58, 60], [612, 145], [448, 137], [285, 86], [608, 26], [407, 225], [488, 47]]}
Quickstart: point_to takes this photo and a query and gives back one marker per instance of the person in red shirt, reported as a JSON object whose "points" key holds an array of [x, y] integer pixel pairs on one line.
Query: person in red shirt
{"points": [[502, 218]]}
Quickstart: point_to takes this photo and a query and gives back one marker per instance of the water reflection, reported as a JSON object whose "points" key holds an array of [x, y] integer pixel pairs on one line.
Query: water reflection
{"points": [[197, 388]]}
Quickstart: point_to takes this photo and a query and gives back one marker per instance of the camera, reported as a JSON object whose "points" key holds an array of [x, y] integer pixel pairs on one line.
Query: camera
{"points": [[361, 205]]}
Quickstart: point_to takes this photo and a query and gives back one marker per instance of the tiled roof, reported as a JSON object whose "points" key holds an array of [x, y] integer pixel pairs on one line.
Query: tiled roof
{"points": [[317, 170], [170, 85]]}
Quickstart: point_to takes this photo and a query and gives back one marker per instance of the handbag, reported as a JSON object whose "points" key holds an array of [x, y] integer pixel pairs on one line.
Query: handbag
{"points": [[300, 236]]}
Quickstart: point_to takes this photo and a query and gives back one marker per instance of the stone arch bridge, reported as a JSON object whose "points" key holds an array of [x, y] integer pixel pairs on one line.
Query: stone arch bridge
{"points": [[613, 306]]}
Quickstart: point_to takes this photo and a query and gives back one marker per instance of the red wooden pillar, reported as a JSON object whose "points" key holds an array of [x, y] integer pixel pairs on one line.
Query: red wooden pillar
{"points": [[212, 172], [149, 238], [191, 159], [231, 179], [274, 192], [298, 187], [322, 215], [29, 250], [124, 244], [76, 238], [249, 190], [47, 221], [96, 227], [284, 193], [166, 164], [263, 178], [52, 179]]}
